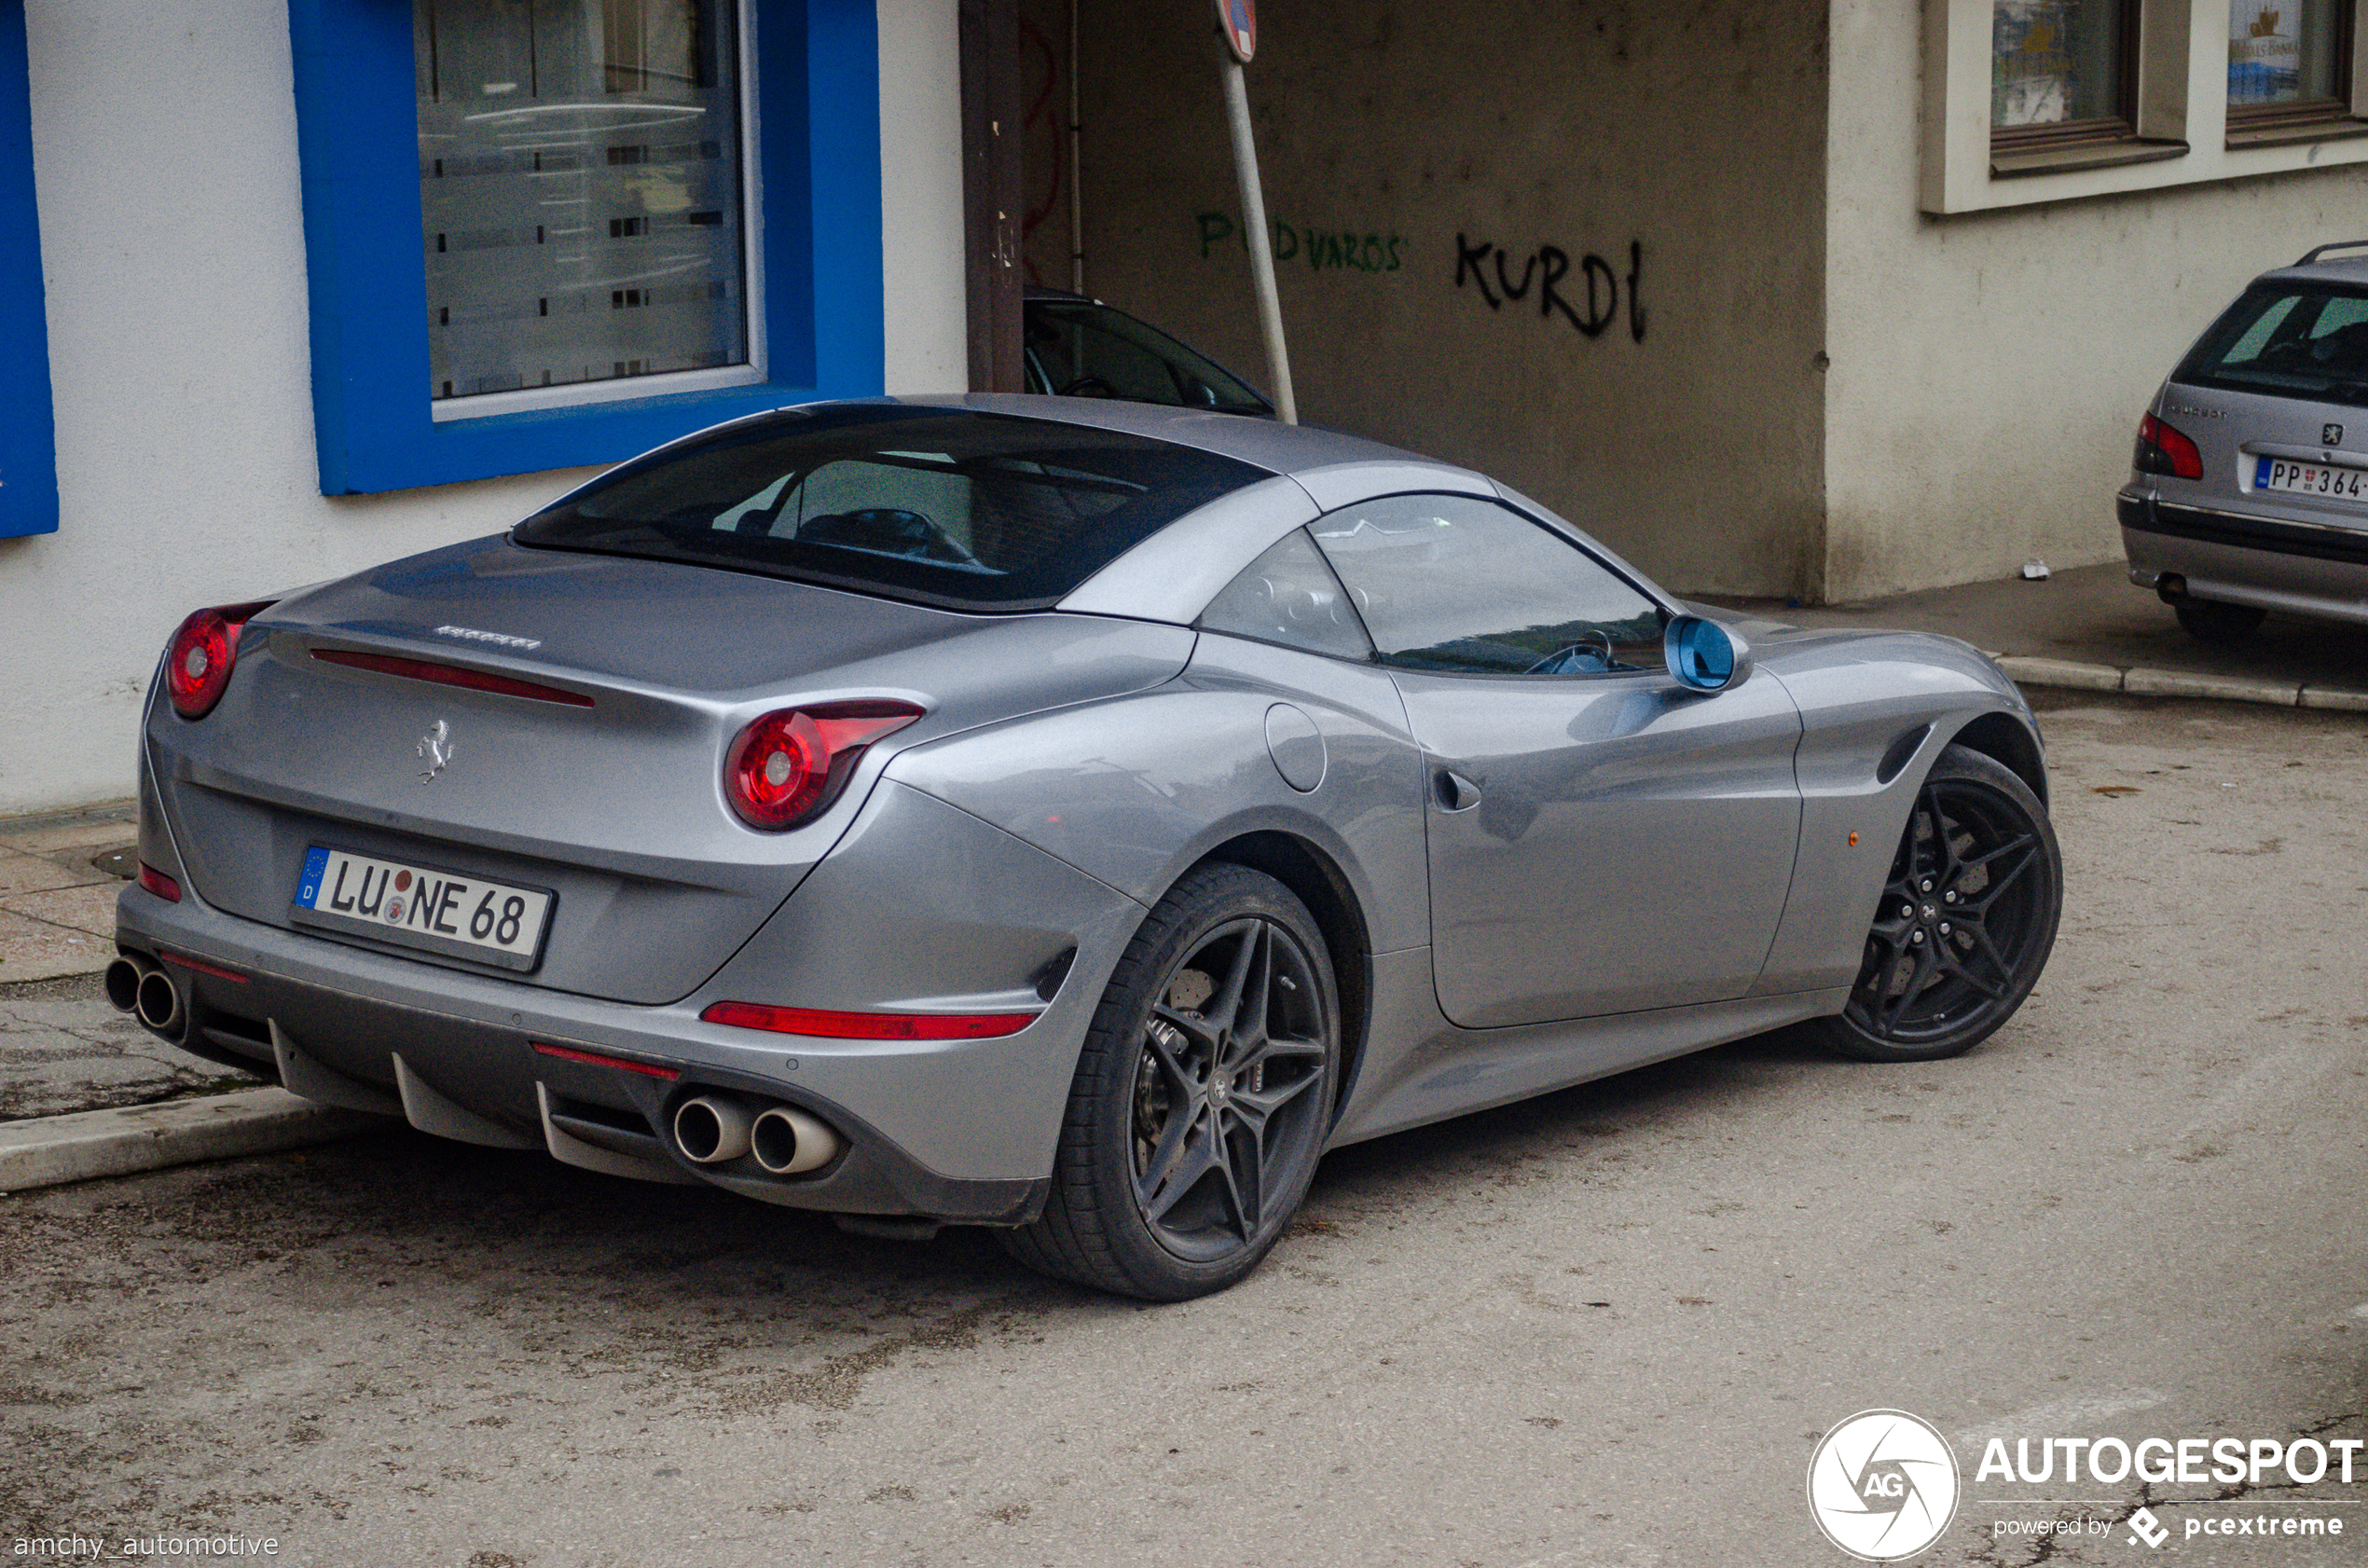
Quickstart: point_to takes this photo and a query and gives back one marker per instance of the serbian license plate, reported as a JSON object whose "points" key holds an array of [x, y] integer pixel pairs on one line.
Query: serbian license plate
{"points": [[2310, 478], [418, 906]]}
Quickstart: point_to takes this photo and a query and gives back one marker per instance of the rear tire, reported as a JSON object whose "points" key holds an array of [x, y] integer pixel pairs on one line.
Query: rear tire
{"points": [[1967, 919], [1201, 1099], [2216, 622]]}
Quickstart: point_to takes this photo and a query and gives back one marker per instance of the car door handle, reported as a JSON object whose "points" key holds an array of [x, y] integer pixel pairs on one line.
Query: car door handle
{"points": [[1455, 792]]}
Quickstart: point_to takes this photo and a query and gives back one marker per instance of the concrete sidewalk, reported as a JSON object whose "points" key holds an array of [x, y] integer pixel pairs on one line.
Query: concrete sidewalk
{"points": [[2091, 628]]}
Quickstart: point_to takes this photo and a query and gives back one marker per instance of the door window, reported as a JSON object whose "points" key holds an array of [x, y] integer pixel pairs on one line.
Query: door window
{"points": [[1461, 584]]}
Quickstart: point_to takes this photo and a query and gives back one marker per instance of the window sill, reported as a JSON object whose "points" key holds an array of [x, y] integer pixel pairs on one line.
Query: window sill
{"points": [[2008, 164], [2331, 130]]}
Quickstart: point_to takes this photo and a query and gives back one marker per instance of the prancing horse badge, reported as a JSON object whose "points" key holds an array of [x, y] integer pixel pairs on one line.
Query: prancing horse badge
{"points": [[436, 750]]}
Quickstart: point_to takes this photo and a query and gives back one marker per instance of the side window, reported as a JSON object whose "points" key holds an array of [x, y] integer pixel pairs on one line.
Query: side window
{"points": [[1453, 583], [1289, 596]]}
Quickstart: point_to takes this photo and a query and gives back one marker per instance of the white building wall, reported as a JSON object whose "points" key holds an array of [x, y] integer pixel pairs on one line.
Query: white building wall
{"points": [[172, 244], [1988, 368]]}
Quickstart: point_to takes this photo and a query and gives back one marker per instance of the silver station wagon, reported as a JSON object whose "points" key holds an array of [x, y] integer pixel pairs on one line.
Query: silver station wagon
{"points": [[2250, 486]]}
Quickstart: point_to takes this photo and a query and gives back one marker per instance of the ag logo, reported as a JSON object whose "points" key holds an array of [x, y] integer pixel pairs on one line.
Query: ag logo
{"points": [[1882, 1485]]}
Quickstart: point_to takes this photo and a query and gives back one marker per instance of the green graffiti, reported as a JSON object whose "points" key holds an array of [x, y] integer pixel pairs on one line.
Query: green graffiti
{"points": [[1322, 248]]}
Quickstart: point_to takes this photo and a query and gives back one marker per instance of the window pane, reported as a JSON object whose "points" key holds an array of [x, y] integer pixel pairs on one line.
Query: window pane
{"points": [[580, 184], [1102, 352], [1455, 584], [2054, 62], [1289, 596], [2281, 52], [2295, 341], [968, 511]]}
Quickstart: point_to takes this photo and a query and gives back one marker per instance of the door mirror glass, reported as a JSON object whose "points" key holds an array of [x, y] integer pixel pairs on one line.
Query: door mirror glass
{"points": [[1705, 656]]}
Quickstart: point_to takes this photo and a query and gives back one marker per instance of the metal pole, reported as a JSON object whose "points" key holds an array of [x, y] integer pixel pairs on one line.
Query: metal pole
{"points": [[1076, 170], [1270, 308]]}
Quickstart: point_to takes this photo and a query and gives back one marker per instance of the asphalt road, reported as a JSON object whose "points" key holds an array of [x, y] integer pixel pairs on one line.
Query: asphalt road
{"points": [[1605, 1327]]}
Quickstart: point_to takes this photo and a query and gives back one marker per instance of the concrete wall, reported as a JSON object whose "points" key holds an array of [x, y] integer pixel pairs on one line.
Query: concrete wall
{"points": [[165, 154], [1691, 136], [1990, 368]]}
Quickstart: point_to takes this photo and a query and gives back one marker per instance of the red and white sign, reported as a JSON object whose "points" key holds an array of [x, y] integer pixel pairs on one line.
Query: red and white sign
{"points": [[1239, 18]]}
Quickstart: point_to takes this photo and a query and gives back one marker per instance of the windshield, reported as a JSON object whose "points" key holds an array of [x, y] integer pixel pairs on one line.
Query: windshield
{"points": [[2296, 339], [1078, 348], [963, 510]]}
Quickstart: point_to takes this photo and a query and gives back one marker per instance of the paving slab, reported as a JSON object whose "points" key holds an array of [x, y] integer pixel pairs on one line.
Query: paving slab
{"points": [[63, 1048], [32, 949], [52, 1150]]}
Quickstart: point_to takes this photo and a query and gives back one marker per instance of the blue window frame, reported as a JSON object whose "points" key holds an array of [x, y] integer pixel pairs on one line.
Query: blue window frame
{"points": [[817, 158], [29, 434]]}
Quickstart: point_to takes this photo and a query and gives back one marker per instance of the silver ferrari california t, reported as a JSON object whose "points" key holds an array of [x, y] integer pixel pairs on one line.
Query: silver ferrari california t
{"points": [[1062, 816]]}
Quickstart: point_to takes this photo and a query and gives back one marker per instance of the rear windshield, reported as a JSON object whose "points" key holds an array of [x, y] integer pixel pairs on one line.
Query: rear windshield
{"points": [[2306, 341], [963, 510]]}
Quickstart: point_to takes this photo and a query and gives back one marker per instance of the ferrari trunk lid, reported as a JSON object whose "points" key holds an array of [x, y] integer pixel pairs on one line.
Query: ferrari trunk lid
{"points": [[580, 755]]}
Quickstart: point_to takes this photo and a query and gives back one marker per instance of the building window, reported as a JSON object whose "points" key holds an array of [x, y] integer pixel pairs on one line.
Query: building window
{"points": [[580, 180], [28, 435], [2062, 70], [2287, 61], [704, 179]]}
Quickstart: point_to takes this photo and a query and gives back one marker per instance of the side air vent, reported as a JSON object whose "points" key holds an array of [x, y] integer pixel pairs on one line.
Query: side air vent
{"points": [[1901, 749]]}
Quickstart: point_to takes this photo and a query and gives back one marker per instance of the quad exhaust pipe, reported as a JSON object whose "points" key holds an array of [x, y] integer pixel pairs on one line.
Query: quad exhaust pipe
{"points": [[139, 986], [786, 1141], [711, 1130], [717, 1129]]}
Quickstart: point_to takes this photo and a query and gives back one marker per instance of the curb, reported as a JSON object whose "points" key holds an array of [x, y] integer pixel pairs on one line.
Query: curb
{"points": [[52, 1150], [2025, 670]]}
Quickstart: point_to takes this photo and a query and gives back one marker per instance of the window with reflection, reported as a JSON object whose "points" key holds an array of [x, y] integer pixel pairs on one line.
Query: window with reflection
{"points": [[1289, 596], [2286, 60], [1458, 584], [581, 188], [2062, 70]]}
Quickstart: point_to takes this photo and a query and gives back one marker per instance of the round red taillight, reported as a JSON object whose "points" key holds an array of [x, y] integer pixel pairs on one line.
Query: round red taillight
{"points": [[786, 766], [198, 662], [777, 770]]}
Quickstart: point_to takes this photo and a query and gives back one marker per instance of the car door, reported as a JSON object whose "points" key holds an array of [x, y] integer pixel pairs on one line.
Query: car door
{"points": [[1601, 838]]}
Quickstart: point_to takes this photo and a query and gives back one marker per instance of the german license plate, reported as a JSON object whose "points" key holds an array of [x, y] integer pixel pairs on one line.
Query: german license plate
{"points": [[418, 906], [2310, 478]]}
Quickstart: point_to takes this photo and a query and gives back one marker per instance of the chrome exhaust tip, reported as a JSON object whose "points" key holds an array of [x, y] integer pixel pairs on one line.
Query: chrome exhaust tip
{"points": [[710, 1129], [788, 1141], [158, 1000], [123, 985]]}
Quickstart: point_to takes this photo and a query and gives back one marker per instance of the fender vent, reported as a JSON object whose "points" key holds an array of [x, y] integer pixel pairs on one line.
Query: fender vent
{"points": [[1901, 749]]}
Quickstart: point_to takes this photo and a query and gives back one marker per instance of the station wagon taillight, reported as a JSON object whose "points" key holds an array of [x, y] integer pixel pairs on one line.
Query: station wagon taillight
{"points": [[2161, 449], [788, 766], [198, 661]]}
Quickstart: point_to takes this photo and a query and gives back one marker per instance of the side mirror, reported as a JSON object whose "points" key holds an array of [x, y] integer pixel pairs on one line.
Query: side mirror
{"points": [[1705, 656]]}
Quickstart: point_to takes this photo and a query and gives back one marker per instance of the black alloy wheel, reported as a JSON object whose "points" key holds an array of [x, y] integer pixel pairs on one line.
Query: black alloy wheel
{"points": [[1967, 919], [1201, 1099]]}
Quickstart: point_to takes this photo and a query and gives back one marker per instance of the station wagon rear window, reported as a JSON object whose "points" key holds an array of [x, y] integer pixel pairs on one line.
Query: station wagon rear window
{"points": [[2305, 341], [952, 508]]}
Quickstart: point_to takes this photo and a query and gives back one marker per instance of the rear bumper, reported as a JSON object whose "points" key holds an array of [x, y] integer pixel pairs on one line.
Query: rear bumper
{"points": [[2303, 569], [957, 1130]]}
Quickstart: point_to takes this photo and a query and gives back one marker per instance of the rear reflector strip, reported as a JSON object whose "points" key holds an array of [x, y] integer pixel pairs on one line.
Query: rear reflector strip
{"points": [[450, 675], [868, 1025], [158, 883], [594, 1059], [203, 967]]}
